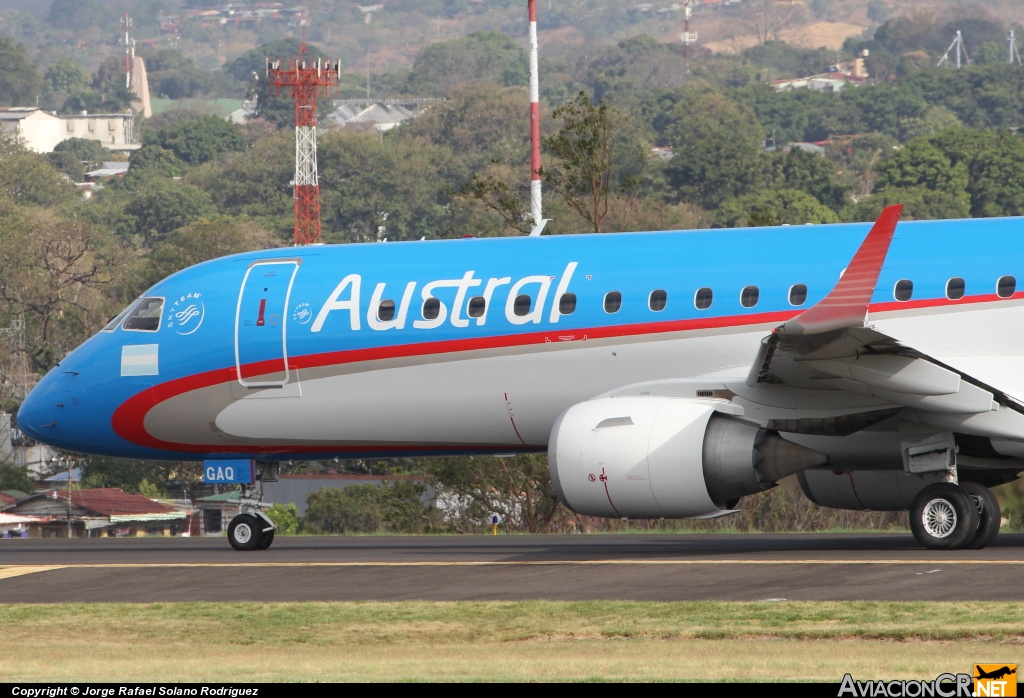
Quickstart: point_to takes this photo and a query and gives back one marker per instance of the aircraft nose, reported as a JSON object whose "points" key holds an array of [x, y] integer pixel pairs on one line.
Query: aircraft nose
{"points": [[36, 413]]}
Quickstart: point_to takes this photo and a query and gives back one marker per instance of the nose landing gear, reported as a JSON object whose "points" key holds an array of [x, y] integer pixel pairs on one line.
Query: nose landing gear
{"points": [[252, 529]]}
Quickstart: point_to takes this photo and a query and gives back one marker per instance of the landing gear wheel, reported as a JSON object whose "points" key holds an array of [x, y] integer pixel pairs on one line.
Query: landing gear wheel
{"points": [[943, 517], [266, 538], [244, 532], [988, 510]]}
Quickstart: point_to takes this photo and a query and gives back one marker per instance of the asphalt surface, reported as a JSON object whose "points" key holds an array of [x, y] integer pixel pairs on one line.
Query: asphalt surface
{"points": [[391, 568]]}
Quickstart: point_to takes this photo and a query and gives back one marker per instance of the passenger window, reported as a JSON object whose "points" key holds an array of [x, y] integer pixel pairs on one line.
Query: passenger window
{"points": [[797, 294], [567, 304], [522, 305], [955, 288], [658, 300], [904, 290], [1006, 287], [477, 305], [431, 309], [703, 298], [146, 315], [386, 311], [748, 297], [612, 302]]}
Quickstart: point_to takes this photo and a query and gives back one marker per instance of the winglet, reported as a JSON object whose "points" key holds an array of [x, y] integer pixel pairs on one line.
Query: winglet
{"points": [[846, 305]]}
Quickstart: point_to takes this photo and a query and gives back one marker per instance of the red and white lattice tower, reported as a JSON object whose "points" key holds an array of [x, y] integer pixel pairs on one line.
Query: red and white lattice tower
{"points": [[305, 79]]}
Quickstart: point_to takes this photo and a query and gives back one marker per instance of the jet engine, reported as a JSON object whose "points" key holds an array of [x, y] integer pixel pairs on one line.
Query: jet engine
{"points": [[660, 457]]}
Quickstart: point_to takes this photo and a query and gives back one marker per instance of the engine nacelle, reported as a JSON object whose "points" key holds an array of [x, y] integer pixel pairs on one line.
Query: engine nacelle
{"points": [[865, 490], [660, 457]]}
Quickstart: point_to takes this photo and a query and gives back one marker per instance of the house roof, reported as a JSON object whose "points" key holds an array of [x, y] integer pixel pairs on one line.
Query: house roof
{"points": [[112, 501], [6, 499], [16, 494], [14, 520], [16, 113]]}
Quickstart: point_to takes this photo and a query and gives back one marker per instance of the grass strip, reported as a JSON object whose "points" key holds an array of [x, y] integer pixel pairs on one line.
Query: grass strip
{"points": [[543, 640]]}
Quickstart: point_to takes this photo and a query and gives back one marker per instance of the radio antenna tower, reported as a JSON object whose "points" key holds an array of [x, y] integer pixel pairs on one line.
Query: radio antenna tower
{"points": [[536, 210], [129, 51], [688, 37], [1014, 53], [304, 80], [959, 47]]}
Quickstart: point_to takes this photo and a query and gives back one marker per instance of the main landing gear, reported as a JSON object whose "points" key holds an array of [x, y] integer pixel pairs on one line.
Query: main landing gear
{"points": [[946, 516], [252, 529]]}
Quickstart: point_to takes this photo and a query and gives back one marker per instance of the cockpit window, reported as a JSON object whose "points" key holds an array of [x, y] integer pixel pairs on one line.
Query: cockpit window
{"points": [[109, 327], [145, 316]]}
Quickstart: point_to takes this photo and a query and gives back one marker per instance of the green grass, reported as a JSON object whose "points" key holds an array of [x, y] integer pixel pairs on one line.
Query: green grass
{"points": [[541, 640]]}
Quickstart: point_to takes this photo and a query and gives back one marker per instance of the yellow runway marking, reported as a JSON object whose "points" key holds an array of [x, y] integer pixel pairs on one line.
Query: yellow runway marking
{"points": [[19, 570], [15, 570]]}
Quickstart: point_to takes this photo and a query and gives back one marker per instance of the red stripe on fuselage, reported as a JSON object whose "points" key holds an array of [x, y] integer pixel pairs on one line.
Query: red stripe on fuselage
{"points": [[128, 420]]}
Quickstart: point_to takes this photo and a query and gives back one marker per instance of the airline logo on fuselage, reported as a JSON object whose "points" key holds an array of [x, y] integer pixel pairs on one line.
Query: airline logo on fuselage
{"points": [[347, 296]]}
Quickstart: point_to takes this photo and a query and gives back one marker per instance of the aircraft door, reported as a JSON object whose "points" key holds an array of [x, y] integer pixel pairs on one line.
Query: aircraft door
{"points": [[261, 338]]}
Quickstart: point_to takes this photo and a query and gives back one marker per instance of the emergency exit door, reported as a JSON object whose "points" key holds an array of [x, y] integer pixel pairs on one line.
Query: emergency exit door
{"points": [[261, 338]]}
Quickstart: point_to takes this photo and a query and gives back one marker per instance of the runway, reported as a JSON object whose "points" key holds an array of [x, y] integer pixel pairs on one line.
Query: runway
{"points": [[578, 567]]}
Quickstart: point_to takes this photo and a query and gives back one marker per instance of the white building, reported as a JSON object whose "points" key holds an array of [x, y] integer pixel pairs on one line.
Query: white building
{"points": [[41, 131]]}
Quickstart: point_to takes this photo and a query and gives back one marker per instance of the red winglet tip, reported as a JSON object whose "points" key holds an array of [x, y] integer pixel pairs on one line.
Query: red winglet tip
{"points": [[846, 305]]}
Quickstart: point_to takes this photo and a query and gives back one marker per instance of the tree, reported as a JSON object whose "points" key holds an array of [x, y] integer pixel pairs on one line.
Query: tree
{"points": [[717, 144], [19, 79], [477, 122], [29, 179], [373, 188], [491, 190], [807, 172], [583, 146], [52, 274], [162, 205], [254, 182], [480, 56], [767, 19], [286, 516], [198, 140], [148, 478], [205, 239], [156, 158], [14, 477], [782, 207], [84, 149], [67, 164], [518, 489], [65, 76], [75, 14], [391, 507]]}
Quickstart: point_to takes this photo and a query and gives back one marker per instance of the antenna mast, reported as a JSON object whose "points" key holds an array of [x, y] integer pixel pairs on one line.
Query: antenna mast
{"points": [[305, 79], [688, 37], [129, 51], [1014, 53], [959, 47], [535, 184]]}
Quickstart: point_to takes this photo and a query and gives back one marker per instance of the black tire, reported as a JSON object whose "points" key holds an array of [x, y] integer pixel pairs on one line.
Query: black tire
{"points": [[267, 537], [943, 517], [244, 532], [988, 510]]}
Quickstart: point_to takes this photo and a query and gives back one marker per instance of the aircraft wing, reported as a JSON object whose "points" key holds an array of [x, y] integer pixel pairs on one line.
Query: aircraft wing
{"points": [[830, 346]]}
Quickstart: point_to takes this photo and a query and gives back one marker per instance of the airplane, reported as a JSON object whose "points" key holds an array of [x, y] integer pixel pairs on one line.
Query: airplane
{"points": [[667, 374], [996, 673]]}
